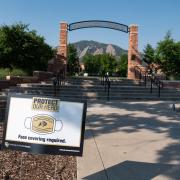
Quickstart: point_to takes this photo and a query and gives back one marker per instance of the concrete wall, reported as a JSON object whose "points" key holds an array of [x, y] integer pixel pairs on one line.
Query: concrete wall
{"points": [[171, 84]]}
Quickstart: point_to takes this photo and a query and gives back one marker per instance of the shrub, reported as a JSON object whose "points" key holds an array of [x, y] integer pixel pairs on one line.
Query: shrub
{"points": [[18, 72], [14, 72], [4, 72]]}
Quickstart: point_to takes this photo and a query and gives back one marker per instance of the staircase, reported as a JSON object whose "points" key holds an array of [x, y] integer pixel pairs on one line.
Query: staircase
{"points": [[90, 88]]}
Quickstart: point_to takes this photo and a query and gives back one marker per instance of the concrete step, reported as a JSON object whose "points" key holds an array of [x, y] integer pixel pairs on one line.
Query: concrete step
{"points": [[64, 92], [130, 90], [84, 82], [100, 88], [103, 95], [111, 97], [86, 87], [91, 89]]}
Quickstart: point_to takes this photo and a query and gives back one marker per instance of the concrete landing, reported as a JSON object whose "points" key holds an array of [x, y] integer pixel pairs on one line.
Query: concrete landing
{"points": [[131, 141]]}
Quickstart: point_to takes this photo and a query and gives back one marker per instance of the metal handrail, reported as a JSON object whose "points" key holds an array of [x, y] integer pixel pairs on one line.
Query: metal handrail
{"points": [[59, 80], [2, 119], [1, 133], [141, 75], [105, 81], [155, 80]]}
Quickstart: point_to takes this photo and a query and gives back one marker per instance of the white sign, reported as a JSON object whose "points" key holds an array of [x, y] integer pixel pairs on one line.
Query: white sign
{"points": [[46, 122]]}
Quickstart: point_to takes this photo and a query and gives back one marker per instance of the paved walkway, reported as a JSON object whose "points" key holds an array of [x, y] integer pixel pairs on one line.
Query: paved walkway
{"points": [[131, 141]]}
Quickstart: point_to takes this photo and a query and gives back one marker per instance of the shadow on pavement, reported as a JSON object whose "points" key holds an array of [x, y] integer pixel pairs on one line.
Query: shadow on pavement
{"points": [[156, 118], [132, 170], [131, 122]]}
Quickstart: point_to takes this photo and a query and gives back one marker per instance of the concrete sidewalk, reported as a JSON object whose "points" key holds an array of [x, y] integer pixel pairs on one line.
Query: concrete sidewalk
{"points": [[131, 141]]}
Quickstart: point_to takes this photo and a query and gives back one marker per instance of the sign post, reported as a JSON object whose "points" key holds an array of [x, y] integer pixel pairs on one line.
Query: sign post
{"points": [[44, 125]]}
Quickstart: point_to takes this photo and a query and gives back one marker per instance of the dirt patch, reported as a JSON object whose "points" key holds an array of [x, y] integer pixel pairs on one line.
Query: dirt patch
{"points": [[15, 165]]}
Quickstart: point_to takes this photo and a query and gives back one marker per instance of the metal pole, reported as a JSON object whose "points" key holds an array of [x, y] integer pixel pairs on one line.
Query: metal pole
{"points": [[60, 79], [151, 84], [54, 86], [108, 89], [139, 77], [159, 89]]}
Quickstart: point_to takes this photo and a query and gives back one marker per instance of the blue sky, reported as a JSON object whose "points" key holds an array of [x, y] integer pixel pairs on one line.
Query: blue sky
{"points": [[154, 18]]}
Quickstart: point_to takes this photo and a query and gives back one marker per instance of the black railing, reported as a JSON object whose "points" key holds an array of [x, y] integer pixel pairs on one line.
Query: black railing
{"points": [[1, 133], [105, 81], [58, 80], [2, 119], [2, 110], [144, 77], [102, 80], [155, 80], [140, 75]]}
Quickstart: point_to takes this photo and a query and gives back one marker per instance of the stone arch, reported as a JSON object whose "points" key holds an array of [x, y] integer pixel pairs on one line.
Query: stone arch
{"points": [[133, 53]]}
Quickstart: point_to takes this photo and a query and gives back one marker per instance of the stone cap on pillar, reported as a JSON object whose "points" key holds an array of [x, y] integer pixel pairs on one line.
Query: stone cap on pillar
{"points": [[133, 25], [63, 22], [133, 28], [63, 25]]}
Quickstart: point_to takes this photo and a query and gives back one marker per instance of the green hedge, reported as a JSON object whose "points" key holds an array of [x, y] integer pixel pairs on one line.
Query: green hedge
{"points": [[14, 72]]}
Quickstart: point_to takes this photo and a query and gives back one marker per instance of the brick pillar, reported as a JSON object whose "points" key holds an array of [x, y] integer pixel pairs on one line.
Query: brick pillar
{"points": [[63, 39], [62, 50], [133, 54]]}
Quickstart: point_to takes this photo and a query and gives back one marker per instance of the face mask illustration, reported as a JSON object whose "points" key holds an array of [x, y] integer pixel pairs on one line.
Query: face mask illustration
{"points": [[43, 124]]}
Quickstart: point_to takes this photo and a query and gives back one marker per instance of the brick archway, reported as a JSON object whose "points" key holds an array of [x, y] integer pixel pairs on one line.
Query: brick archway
{"points": [[133, 53]]}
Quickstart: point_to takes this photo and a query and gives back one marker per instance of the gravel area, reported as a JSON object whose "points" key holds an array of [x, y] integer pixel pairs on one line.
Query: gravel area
{"points": [[15, 165]]}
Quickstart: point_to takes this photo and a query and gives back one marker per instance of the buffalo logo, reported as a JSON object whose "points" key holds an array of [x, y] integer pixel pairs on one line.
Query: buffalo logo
{"points": [[43, 124]]}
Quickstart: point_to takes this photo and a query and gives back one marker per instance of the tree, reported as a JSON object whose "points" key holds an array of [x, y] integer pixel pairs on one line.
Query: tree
{"points": [[149, 54], [73, 60], [92, 64], [22, 48], [168, 56], [108, 63], [99, 64], [122, 65]]}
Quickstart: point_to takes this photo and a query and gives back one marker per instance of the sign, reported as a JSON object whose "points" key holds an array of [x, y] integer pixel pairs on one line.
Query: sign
{"points": [[44, 125], [97, 23]]}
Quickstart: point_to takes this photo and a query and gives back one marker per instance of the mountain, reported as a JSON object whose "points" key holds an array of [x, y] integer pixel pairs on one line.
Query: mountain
{"points": [[93, 47]]}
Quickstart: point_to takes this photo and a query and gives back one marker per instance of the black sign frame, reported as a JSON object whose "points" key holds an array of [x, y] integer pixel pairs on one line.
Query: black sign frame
{"points": [[39, 148]]}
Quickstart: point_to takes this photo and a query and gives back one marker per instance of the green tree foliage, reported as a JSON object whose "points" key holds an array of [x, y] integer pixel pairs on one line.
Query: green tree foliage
{"points": [[23, 48], [11, 72], [122, 65], [149, 54], [108, 63], [168, 56], [92, 64], [98, 64], [73, 60]]}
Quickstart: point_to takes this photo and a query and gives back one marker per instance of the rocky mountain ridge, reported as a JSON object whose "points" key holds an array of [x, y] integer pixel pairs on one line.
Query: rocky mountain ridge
{"points": [[94, 47]]}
